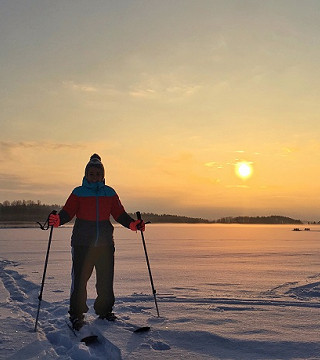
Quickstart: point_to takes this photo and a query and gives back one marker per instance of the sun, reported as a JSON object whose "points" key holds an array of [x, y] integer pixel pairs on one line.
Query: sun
{"points": [[243, 169]]}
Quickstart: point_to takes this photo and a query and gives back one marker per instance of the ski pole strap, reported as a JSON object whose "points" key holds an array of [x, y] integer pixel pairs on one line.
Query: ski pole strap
{"points": [[139, 218], [138, 215], [45, 226]]}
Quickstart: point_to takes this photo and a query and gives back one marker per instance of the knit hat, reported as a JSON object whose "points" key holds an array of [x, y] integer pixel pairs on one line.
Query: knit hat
{"points": [[95, 161]]}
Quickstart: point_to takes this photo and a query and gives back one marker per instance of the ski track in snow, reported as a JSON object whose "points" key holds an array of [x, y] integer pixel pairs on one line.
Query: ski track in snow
{"points": [[170, 337]]}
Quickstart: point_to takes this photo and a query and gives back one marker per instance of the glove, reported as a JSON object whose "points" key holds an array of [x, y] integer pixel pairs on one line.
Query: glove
{"points": [[137, 225], [54, 220]]}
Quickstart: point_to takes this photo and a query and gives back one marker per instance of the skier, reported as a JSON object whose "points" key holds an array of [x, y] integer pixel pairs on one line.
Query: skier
{"points": [[92, 240]]}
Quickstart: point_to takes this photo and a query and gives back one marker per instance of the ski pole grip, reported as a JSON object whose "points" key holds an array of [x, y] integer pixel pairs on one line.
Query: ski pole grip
{"points": [[138, 215], [54, 212]]}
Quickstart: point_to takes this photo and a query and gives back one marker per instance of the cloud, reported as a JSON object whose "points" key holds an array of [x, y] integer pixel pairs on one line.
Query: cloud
{"points": [[80, 87], [145, 87], [213, 164], [15, 184], [9, 182], [237, 186], [37, 163], [142, 93], [285, 151], [210, 164], [172, 92], [97, 96], [6, 146], [17, 187], [163, 85]]}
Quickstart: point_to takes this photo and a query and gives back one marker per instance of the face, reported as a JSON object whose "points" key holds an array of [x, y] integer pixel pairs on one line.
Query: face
{"points": [[94, 175]]}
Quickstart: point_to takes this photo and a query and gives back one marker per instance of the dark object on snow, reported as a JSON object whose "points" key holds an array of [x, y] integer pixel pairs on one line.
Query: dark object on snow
{"points": [[142, 329]]}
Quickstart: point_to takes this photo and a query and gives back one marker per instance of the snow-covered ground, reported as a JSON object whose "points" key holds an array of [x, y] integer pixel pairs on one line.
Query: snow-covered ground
{"points": [[224, 292]]}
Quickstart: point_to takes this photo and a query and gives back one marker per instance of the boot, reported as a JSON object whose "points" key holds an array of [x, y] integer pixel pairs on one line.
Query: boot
{"points": [[108, 316], [77, 321]]}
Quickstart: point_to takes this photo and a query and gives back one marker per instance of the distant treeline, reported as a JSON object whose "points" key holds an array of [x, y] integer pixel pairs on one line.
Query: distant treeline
{"points": [[165, 218], [30, 211], [273, 219], [25, 211]]}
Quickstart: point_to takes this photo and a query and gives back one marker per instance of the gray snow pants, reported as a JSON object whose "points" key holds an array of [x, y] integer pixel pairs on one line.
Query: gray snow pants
{"points": [[84, 260]]}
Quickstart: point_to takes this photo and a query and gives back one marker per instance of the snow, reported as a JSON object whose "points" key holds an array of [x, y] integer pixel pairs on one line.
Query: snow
{"points": [[224, 292]]}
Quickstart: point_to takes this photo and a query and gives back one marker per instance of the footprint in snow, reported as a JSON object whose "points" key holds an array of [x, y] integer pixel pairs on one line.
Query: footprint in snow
{"points": [[159, 345]]}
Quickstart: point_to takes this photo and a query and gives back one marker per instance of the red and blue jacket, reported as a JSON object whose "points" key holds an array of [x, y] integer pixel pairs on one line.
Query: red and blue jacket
{"points": [[92, 204]]}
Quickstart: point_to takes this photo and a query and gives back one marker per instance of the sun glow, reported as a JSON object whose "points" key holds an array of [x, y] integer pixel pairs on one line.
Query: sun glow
{"points": [[243, 169]]}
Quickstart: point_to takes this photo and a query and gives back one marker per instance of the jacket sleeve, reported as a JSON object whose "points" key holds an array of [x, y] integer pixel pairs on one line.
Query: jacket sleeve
{"points": [[69, 210], [119, 214]]}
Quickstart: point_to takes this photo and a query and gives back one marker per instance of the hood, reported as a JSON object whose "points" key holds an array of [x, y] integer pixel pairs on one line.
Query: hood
{"points": [[93, 186]]}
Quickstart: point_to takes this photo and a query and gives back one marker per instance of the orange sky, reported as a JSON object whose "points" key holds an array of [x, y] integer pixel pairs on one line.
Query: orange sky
{"points": [[172, 95]]}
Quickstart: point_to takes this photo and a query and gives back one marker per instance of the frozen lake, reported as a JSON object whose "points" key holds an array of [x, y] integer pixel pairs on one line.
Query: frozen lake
{"points": [[187, 260], [254, 286]]}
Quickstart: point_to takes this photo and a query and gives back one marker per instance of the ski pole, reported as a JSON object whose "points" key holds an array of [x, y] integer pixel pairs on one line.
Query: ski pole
{"points": [[44, 227], [148, 264]]}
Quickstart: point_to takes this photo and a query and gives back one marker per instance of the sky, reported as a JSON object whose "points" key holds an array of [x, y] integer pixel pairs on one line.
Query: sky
{"points": [[172, 95]]}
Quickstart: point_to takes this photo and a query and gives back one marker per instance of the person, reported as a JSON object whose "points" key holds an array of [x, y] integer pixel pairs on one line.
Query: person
{"points": [[92, 240]]}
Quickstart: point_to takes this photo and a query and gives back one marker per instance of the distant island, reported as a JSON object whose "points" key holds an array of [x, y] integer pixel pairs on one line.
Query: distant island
{"points": [[273, 219], [175, 219], [28, 212]]}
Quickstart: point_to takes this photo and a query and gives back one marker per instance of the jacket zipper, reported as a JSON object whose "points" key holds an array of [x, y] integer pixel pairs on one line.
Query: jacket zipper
{"points": [[97, 217]]}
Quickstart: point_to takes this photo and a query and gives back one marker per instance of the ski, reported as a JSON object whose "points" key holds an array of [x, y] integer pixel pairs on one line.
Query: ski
{"points": [[84, 334], [94, 338], [129, 326], [89, 333]]}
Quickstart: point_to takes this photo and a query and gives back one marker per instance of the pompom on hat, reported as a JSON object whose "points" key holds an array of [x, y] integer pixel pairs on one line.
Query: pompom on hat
{"points": [[95, 161]]}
